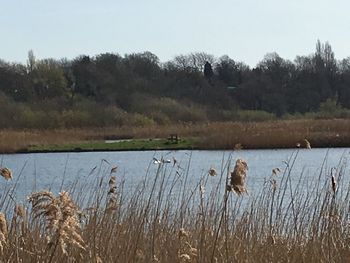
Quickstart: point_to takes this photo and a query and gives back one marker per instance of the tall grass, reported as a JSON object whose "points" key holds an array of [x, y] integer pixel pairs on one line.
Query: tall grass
{"points": [[218, 135], [169, 218]]}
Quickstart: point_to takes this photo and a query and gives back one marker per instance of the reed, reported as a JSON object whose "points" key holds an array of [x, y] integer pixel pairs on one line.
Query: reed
{"points": [[214, 135], [167, 219]]}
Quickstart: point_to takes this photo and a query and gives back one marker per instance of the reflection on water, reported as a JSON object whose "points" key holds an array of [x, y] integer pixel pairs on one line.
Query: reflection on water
{"points": [[62, 170]]}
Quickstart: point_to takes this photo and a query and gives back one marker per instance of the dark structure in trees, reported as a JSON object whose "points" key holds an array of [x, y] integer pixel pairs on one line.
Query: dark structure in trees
{"points": [[208, 70]]}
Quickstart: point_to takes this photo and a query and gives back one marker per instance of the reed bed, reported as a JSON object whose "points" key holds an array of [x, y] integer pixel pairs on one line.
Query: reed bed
{"points": [[214, 135], [168, 217]]}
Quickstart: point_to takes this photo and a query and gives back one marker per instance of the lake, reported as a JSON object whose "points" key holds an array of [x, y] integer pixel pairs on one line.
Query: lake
{"points": [[56, 171]]}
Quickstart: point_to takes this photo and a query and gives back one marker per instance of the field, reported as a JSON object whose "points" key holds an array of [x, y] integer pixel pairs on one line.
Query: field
{"points": [[222, 135], [165, 220]]}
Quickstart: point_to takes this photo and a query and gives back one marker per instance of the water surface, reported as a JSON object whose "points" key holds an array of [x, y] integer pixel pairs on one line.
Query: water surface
{"points": [[56, 171]]}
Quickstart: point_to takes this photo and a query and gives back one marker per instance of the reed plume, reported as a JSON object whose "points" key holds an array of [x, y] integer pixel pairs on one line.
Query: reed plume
{"points": [[276, 171], [112, 194], [6, 173], [237, 182], [212, 172], [112, 185], [61, 217]]}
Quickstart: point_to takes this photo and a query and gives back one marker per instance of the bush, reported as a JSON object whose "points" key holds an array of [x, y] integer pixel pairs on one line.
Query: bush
{"points": [[166, 110], [253, 115]]}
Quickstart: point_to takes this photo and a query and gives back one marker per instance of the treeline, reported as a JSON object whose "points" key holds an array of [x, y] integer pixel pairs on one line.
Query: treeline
{"points": [[137, 89]]}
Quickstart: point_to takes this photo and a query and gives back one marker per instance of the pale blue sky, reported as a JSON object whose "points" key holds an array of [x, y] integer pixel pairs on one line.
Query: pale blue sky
{"points": [[245, 30]]}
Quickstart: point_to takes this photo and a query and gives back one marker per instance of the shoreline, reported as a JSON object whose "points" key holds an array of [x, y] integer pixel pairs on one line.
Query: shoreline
{"points": [[281, 134], [51, 149]]}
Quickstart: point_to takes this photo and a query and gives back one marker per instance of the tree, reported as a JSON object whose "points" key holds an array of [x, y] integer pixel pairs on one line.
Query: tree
{"points": [[48, 79], [143, 64], [208, 71], [31, 61], [325, 69], [228, 71], [193, 62]]}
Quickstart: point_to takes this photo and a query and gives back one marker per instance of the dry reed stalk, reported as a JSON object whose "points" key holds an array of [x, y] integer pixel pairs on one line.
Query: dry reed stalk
{"points": [[6, 173], [3, 232], [238, 147], [155, 259], [20, 211], [183, 233], [140, 256], [237, 182], [334, 184], [202, 189], [19, 220], [307, 144], [61, 215], [274, 185], [114, 169]]}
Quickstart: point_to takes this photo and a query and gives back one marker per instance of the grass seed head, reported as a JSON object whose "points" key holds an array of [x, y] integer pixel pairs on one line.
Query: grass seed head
{"points": [[212, 172], [237, 182], [6, 173], [276, 171], [185, 258]]}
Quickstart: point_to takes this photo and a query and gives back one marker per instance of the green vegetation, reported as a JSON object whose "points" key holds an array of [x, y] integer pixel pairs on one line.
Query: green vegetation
{"points": [[132, 144], [109, 90]]}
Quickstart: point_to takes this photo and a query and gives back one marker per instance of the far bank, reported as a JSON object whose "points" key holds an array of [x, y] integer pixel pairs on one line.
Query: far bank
{"points": [[215, 136]]}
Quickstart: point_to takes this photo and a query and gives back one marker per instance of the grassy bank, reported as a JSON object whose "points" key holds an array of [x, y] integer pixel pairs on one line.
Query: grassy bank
{"points": [[120, 145], [223, 135]]}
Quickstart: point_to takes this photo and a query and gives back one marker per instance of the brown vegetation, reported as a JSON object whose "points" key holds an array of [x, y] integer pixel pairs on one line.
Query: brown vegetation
{"points": [[164, 220], [217, 135]]}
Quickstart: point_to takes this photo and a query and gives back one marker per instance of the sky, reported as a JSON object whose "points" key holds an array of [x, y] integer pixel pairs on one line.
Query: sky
{"points": [[245, 30]]}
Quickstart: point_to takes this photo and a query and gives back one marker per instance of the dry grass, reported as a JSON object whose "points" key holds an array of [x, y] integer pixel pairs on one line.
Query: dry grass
{"points": [[223, 135], [3, 232], [165, 219], [277, 134]]}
